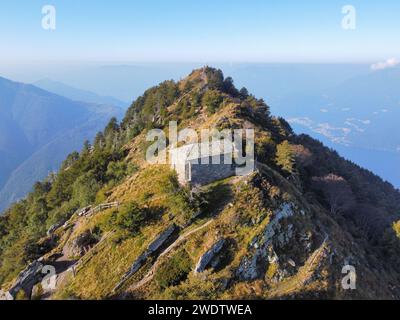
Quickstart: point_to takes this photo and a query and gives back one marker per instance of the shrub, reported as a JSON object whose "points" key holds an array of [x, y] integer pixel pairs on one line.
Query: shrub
{"points": [[130, 217], [215, 78], [396, 228], [212, 99], [272, 269], [21, 295], [38, 293], [265, 147], [117, 170], [85, 188], [175, 270], [180, 201], [285, 157]]}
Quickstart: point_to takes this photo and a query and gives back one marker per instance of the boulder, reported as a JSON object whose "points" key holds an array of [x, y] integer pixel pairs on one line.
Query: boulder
{"points": [[54, 227], [211, 258], [5, 295], [81, 244], [162, 239], [138, 264], [27, 279]]}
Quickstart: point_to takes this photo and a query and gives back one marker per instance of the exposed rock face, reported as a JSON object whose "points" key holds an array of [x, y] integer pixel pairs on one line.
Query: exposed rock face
{"points": [[81, 244], [137, 264], [253, 265], [27, 279], [161, 241], [211, 258], [5, 295], [54, 227]]}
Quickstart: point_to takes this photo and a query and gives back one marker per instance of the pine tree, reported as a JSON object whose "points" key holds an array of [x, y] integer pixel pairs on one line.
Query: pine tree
{"points": [[285, 157]]}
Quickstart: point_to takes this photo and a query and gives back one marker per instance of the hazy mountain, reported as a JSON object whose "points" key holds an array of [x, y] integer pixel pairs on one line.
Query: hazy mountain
{"points": [[359, 117], [37, 130], [127, 81], [78, 94]]}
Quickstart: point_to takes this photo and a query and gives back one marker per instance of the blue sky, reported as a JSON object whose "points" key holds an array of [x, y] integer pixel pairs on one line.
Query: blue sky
{"points": [[177, 30]]}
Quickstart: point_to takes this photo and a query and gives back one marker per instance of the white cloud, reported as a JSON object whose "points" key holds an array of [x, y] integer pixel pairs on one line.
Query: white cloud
{"points": [[324, 110], [389, 63]]}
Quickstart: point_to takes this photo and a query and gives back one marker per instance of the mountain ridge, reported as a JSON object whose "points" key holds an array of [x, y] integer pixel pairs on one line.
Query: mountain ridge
{"points": [[287, 229], [77, 94], [31, 118]]}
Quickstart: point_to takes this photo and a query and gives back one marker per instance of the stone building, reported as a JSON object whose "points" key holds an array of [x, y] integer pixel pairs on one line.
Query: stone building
{"points": [[203, 163]]}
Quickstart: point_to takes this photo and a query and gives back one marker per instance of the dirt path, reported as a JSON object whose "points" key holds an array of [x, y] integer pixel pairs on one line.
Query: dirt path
{"points": [[149, 276]]}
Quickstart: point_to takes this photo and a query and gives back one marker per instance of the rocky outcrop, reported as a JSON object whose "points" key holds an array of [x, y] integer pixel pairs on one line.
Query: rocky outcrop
{"points": [[161, 241], [53, 228], [81, 244], [27, 279], [5, 295], [139, 262], [64, 224], [253, 266], [211, 258]]}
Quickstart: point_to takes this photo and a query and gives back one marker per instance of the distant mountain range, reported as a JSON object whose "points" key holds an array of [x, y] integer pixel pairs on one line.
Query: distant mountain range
{"points": [[78, 94], [37, 130]]}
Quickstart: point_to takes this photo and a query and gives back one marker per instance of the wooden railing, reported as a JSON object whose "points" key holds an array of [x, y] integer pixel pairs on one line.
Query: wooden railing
{"points": [[102, 207]]}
